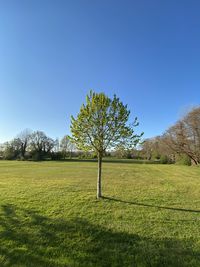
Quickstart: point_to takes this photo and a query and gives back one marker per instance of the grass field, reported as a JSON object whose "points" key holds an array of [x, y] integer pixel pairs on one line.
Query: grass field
{"points": [[150, 215]]}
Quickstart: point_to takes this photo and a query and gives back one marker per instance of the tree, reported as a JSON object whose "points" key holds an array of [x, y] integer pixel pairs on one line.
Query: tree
{"points": [[147, 148], [17, 148], [120, 152], [41, 145], [24, 139], [66, 146], [156, 148], [12, 149], [184, 136], [101, 125]]}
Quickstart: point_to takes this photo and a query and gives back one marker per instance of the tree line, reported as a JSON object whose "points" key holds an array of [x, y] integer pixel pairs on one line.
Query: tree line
{"points": [[180, 143], [36, 145]]}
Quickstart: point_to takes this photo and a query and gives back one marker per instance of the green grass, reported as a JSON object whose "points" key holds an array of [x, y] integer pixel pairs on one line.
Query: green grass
{"points": [[49, 215]]}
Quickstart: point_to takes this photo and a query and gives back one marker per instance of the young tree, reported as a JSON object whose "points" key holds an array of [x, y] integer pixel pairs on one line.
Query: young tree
{"points": [[100, 125]]}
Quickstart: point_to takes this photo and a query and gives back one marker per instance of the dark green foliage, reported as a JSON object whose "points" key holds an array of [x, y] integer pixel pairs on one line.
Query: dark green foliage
{"points": [[183, 160], [10, 154], [12, 150], [156, 155], [37, 155], [56, 155], [164, 159]]}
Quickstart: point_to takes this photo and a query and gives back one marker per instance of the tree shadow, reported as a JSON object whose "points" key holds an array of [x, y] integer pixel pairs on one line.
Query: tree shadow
{"points": [[150, 205], [31, 239]]}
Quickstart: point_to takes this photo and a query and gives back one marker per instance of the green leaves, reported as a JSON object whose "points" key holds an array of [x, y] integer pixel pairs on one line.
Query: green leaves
{"points": [[102, 124]]}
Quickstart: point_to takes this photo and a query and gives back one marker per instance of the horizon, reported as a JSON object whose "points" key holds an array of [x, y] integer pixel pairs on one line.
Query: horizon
{"points": [[53, 52]]}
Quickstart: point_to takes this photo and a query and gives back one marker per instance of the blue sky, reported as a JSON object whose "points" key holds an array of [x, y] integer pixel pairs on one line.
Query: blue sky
{"points": [[53, 52]]}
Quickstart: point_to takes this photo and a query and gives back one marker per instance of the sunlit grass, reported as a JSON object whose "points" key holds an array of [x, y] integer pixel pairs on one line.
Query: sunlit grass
{"points": [[49, 215]]}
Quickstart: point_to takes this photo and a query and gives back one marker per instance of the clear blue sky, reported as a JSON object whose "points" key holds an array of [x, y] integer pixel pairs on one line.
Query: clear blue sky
{"points": [[53, 52]]}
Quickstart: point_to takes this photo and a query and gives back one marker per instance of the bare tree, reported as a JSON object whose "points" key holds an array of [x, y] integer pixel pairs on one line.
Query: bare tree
{"points": [[66, 146], [184, 136], [24, 141], [41, 144]]}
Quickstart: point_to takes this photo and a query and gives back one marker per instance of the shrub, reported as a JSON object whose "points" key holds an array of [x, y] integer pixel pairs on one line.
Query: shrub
{"points": [[164, 159], [183, 160], [56, 155]]}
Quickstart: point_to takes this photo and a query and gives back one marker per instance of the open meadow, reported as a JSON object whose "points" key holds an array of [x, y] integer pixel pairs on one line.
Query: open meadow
{"points": [[49, 215]]}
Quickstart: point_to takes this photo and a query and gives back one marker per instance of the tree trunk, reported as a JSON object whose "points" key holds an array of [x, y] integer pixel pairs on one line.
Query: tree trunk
{"points": [[194, 161], [99, 176]]}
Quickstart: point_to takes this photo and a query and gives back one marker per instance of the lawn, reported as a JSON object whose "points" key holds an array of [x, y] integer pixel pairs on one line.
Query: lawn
{"points": [[49, 215]]}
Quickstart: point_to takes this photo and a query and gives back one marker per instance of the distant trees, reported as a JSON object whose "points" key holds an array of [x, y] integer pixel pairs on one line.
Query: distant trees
{"points": [[11, 149], [184, 136], [101, 129], [66, 147], [23, 139], [17, 148], [147, 148], [120, 152], [156, 149], [41, 145], [179, 143], [100, 125], [28, 145]]}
